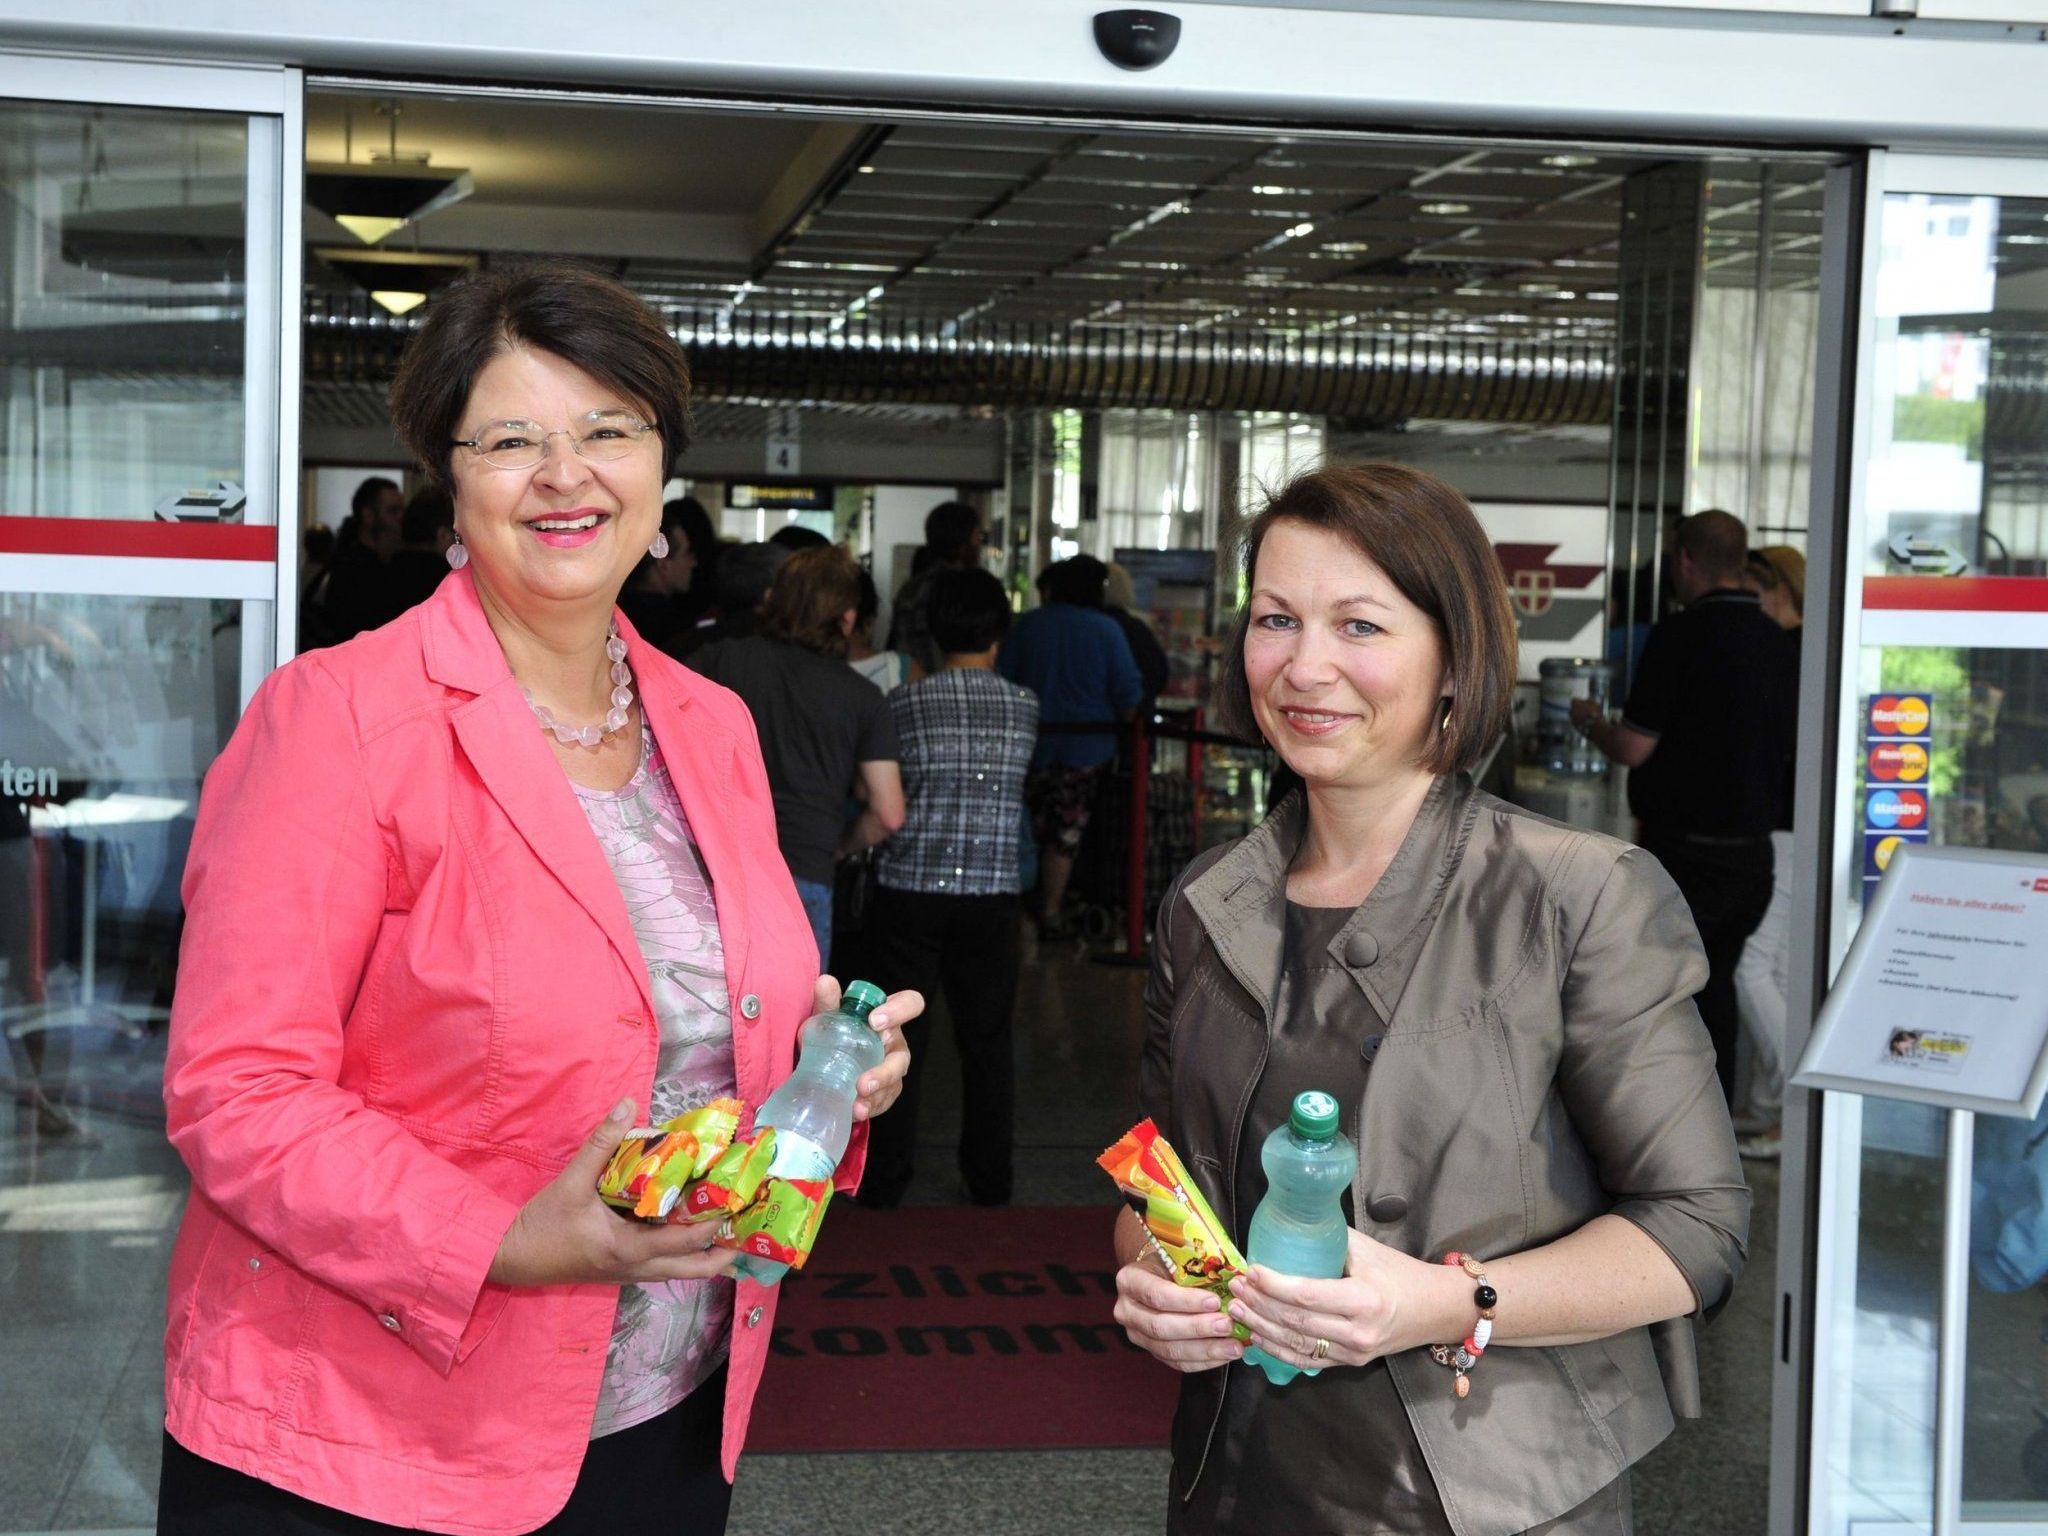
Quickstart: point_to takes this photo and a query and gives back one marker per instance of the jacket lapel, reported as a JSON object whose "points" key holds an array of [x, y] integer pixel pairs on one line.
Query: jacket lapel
{"points": [[1241, 902], [498, 735], [1383, 940]]}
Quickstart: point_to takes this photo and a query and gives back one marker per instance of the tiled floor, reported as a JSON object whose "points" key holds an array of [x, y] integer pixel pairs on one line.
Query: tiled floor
{"points": [[84, 1236]]}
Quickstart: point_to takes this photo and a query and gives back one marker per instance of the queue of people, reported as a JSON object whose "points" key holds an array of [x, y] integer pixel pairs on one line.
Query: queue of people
{"points": [[510, 862]]}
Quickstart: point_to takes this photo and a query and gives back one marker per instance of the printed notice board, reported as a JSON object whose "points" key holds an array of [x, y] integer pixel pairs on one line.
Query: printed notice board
{"points": [[1944, 996]]}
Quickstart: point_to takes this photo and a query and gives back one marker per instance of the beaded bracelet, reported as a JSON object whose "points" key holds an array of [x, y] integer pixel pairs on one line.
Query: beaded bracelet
{"points": [[1462, 1356]]}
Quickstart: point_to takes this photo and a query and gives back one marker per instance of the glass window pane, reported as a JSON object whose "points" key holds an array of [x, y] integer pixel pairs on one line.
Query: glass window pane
{"points": [[122, 235], [111, 710], [1955, 752]]}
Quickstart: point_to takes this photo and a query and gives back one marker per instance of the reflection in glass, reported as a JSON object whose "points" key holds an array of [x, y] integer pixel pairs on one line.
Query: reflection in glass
{"points": [[1958, 476], [121, 312], [110, 711], [1988, 779], [1956, 484]]}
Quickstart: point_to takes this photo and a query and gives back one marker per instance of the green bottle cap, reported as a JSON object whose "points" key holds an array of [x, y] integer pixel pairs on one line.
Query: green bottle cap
{"points": [[1314, 1115], [861, 998]]}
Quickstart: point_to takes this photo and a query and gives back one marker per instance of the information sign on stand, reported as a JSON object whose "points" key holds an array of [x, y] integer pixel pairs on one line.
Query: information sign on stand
{"points": [[1944, 996]]}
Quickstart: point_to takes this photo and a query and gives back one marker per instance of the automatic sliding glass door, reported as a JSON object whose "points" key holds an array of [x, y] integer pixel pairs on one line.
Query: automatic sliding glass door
{"points": [[148, 446], [1930, 1408]]}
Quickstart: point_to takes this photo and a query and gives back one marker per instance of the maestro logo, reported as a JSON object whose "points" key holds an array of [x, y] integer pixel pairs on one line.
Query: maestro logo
{"points": [[1903, 762], [1899, 715], [1904, 810]]}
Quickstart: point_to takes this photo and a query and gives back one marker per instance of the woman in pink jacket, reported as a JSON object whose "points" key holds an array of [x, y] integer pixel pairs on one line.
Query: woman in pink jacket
{"points": [[461, 890]]}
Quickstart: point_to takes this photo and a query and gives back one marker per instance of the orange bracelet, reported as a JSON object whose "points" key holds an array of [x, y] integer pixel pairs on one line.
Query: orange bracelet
{"points": [[1462, 1356]]}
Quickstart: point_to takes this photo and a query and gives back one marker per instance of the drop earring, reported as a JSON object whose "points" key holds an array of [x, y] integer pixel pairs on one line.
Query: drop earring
{"points": [[458, 554], [659, 548]]}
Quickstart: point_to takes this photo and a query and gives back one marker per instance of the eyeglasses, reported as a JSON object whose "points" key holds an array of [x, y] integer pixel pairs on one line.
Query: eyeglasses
{"points": [[601, 435]]}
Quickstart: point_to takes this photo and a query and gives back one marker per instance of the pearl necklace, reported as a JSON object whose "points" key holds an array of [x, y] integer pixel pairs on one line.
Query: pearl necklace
{"points": [[614, 718]]}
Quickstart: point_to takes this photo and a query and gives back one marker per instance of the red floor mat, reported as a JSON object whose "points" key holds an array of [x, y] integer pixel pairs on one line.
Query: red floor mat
{"points": [[955, 1328]]}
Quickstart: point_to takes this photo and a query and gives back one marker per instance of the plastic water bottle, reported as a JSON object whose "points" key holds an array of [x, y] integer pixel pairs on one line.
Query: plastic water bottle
{"points": [[812, 1111], [1299, 1227]]}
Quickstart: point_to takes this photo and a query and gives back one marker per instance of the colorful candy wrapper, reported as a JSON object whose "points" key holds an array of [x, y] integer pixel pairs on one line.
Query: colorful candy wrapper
{"points": [[731, 1184], [647, 1175], [1179, 1225], [782, 1223]]}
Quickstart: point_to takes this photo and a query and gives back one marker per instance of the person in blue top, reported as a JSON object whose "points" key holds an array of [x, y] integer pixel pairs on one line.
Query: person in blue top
{"points": [[1075, 658]]}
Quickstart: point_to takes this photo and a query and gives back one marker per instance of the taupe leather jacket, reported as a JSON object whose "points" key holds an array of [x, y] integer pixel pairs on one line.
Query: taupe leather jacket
{"points": [[1542, 1064]]}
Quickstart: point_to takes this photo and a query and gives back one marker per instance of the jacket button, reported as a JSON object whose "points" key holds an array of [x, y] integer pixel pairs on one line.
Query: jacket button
{"points": [[1361, 949], [255, 1263], [750, 1007], [1370, 1047], [1386, 1208], [754, 1316], [389, 1321]]}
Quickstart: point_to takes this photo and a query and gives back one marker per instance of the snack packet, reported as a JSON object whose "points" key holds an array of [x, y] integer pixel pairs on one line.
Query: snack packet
{"points": [[731, 1183], [1181, 1227], [782, 1223], [647, 1174]]}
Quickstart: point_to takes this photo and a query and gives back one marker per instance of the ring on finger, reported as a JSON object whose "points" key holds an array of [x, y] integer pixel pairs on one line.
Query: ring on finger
{"points": [[1321, 1352]]}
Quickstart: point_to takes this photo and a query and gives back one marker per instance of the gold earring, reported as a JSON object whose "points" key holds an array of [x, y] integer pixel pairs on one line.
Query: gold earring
{"points": [[1445, 724]]}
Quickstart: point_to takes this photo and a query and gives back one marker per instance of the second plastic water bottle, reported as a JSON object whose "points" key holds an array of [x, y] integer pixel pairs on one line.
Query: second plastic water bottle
{"points": [[812, 1111], [1299, 1227]]}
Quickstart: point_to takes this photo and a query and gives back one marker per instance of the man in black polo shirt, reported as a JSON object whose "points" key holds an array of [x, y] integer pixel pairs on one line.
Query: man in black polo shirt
{"points": [[1708, 734]]}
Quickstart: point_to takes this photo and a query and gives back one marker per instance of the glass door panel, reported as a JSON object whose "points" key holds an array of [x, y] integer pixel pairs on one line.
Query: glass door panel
{"points": [[143, 420], [1944, 741], [122, 314]]}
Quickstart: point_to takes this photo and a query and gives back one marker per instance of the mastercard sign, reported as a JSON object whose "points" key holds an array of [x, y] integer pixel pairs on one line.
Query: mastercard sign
{"points": [[1901, 714], [1903, 810], [1904, 762]]}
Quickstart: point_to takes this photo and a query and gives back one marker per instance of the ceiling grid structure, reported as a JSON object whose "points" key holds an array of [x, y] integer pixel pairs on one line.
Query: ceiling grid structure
{"points": [[979, 265]]}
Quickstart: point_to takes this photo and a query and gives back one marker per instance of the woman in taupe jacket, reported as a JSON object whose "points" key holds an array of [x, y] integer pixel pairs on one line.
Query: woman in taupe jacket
{"points": [[1502, 1007]]}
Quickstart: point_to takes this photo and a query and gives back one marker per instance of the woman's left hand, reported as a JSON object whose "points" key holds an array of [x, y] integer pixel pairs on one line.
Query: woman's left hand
{"points": [[1385, 1303], [878, 1089]]}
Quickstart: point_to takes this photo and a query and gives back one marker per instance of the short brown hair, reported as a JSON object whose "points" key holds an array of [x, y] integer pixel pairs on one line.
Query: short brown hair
{"points": [[1716, 541], [578, 315], [1424, 535], [810, 597]]}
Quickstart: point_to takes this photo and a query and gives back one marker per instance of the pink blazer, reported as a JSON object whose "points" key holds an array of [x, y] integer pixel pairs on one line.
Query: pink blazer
{"points": [[408, 990]]}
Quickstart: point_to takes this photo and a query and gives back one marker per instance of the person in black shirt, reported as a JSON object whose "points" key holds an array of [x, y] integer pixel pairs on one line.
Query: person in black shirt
{"points": [[745, 573], [1708, 734], [360, 594], [426, 528], [825, 730], [953, 536]]}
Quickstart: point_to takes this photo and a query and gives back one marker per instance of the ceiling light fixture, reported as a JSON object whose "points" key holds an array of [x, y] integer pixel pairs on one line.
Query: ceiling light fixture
{"points": [[374, 200], [1266, 189], [399, 281], [1569, 162], [1296, 231], [1446, 210]]}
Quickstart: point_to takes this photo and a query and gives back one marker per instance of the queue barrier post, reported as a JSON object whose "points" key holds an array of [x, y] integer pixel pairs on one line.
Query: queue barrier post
{"points": [[1135, 840]]}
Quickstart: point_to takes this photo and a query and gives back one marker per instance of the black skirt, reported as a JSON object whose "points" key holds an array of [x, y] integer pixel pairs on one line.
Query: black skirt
{"points": [[661, 1475]]}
